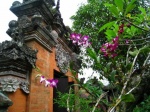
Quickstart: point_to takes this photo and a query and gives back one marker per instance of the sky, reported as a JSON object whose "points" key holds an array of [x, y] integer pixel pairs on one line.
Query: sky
{"points": [[67, 9]]}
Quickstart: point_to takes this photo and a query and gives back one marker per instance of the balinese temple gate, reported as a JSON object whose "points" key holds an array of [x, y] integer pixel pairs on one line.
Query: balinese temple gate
{"points": [[39, 39]]}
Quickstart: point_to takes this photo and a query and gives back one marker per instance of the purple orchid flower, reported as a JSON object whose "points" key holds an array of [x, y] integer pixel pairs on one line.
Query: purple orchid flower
{"points": [[80, 40], [108, 49], [116, 39], [53, 82]]}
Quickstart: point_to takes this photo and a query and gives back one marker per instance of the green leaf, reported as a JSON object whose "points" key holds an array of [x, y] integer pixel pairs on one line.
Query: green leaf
{"points": [[112, 8], [133, 30], [105, 70], [114, 11], [130, 6], [107, 25], [98, 59], [134, 53], [119, 4], [142, 10], [113, 73], [92, 53], [108, 5], [108, 65], [110, 33], [128, 98], [145, 49]]}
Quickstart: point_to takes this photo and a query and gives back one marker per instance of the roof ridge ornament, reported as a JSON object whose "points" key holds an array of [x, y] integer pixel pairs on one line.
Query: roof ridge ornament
{"points": [[15, 32], [58, 5]]}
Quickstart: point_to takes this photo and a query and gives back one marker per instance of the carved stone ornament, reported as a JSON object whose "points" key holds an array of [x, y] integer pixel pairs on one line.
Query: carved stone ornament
{"points": [[16, 3], [63, 59], [76, 61], [37, 18], [24, 21], [16, 59], [11, 50], [11, 84], [26, 0], [50, 2]]}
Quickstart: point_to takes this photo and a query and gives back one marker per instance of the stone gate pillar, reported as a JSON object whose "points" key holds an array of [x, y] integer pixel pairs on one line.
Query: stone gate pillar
{"points": [[39, 39]]}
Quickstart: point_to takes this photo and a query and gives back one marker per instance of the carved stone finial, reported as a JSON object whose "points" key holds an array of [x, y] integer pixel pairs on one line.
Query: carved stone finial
{"points": [[15, 4], [13, 23], [54, 34], [15, 33], [58, 5]]}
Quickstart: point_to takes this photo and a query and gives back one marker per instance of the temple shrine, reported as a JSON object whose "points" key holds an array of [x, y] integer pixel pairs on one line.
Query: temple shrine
{"points": [[39, 40]]}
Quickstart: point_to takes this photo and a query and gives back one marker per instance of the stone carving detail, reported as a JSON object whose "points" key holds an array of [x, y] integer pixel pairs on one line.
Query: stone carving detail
{"points": [[16, 58], [24, 22], [5, 102], [25, 86], [63, 59], [76, 61], [37, 18], [26, 0], [21, 58], [11, 84], [57, 16], [50, 2], [15, 32], [11, 50]]}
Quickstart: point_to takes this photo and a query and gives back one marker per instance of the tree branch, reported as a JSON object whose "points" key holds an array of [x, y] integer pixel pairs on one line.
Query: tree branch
{"points": [[134, 24]]}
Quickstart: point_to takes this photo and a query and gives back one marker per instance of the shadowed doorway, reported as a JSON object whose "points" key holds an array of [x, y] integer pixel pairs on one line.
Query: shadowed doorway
{"points": [[63, 87]]}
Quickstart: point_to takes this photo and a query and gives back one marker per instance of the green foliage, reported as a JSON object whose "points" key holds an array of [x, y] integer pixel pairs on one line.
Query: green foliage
{"points": [[130, 6], [128, 98], [82, 99], [144, 106]]}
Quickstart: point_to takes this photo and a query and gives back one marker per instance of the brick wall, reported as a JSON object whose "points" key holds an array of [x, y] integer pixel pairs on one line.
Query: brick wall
{"points": [[19, 101], [40, 98]]}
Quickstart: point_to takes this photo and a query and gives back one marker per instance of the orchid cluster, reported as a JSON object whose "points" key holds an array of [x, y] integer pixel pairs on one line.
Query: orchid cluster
{"points": [[49, 82], [109, 48], [80, 40]]}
